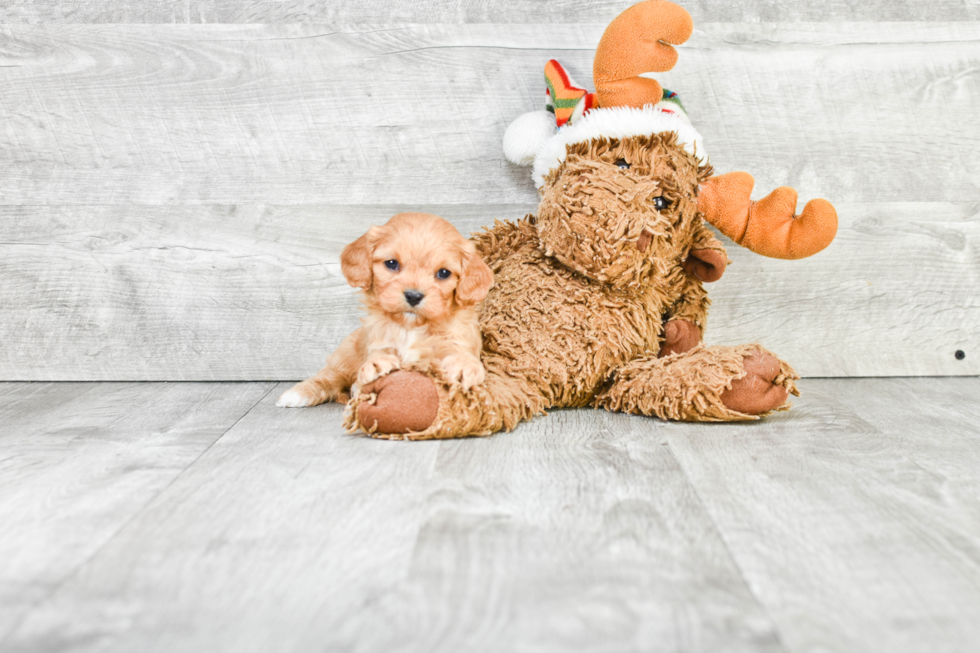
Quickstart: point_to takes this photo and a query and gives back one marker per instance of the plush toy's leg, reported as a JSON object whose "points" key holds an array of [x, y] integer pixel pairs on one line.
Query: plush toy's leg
{"points": [[707, 384], [420, 404]]}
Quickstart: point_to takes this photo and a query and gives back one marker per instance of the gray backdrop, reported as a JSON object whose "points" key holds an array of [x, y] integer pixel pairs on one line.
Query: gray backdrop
{"points": [[174, 193]]}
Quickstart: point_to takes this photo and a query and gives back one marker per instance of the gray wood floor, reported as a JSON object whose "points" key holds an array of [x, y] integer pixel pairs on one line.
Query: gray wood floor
{"points": [[199, 517]]}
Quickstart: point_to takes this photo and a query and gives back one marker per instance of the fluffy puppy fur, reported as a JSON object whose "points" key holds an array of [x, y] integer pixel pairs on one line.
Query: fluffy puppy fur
{"points": [[421, 281]]}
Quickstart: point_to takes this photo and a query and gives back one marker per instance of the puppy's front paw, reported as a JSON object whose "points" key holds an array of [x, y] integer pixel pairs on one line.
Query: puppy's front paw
{"points": [[464, 369], [376, 367]]}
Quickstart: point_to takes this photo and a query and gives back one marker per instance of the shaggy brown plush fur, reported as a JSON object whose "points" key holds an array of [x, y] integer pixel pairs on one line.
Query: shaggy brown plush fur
{"points": [[582, 293]]}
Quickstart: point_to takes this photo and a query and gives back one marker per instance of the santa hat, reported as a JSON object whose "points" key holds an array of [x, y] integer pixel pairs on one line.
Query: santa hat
{"points": [[626, 103]]}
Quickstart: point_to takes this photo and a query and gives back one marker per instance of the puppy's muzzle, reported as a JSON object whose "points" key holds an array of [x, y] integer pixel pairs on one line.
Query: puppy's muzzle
{"points": [[413, 297]]}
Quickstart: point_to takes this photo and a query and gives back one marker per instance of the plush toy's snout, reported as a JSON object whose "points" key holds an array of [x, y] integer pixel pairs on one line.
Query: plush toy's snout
{"points": [[615, 207]]}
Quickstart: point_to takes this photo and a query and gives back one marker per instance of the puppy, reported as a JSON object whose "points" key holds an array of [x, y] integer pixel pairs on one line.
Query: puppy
{"points": [[421, 281]]}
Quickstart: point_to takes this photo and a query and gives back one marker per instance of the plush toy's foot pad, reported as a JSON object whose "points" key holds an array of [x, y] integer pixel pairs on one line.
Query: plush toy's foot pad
{"points": [[756, 392], [679, 336], [706, 384], [405, 401]]}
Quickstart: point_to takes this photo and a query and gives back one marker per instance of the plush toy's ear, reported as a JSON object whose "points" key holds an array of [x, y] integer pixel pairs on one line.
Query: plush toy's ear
{"points": [[706, 264], [475, 280], [355, 260], [525, 136]]}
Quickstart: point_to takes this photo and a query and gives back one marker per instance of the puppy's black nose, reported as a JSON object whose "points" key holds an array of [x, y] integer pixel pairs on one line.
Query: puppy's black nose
{"points": [[413, 297]]}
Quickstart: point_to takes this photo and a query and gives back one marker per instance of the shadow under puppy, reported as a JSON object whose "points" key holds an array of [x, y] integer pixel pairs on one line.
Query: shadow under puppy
{"points": [[421, 281]]}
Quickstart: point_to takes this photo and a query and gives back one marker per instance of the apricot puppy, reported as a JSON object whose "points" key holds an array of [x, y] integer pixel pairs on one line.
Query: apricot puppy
{"points": [[421, 281]]}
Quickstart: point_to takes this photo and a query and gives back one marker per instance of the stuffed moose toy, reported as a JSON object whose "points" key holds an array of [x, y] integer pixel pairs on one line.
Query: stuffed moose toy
{"points": [[599, 298]]}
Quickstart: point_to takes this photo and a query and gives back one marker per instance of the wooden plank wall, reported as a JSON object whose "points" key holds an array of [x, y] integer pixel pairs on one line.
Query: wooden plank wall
{"points": [[174, 193]]}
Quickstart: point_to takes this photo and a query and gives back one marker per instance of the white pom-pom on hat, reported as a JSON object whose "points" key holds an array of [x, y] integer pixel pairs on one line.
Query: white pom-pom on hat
{"points": [[527, 134]]}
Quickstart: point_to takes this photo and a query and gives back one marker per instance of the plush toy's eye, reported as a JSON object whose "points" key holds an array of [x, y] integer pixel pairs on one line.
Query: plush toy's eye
{"points": [[660, 203], [623, 164], [443, 274], [392, 265]]}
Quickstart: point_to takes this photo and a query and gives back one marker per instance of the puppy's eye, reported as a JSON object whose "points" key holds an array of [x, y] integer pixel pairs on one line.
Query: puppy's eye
{"points": [[660, 203], [443, 274], [623, 164], [392, 265]]}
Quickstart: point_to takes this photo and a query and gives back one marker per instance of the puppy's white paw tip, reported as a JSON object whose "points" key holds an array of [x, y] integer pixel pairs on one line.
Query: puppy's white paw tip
{"points": [[292, 399]]}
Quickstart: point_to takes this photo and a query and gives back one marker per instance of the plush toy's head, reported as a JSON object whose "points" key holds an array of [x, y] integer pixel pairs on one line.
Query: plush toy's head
{"points": [[618, 170], [623, 174], [615, 209]]}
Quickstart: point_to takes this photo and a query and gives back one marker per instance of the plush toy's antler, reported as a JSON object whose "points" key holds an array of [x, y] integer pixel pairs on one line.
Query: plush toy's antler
{"points": [[638, 41], [769, 226]]}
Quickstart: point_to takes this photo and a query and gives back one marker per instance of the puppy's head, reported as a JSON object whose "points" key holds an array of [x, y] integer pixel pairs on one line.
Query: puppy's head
{"points": [[416, 269]]}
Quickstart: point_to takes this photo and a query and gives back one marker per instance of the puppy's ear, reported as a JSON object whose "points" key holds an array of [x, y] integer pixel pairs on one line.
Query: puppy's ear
{"points": [[355, 260], [475, 279]]}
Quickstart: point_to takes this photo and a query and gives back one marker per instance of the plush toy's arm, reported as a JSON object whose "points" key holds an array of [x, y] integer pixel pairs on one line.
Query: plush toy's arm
{"points": [[691, 306], [688, 315]]}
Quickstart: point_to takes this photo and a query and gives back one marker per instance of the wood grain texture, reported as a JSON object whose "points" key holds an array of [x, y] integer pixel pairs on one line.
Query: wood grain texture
{"points": [[464, 11], [156, 293], [255, 292], [850, 524], [175, 196], [854, 517], [118, 114], [896, 294], [578, 532], [79, 461]]}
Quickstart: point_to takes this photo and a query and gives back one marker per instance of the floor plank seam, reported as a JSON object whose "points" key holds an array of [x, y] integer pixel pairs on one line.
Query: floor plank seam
{"points": [[81, 565], [777, 634]]}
